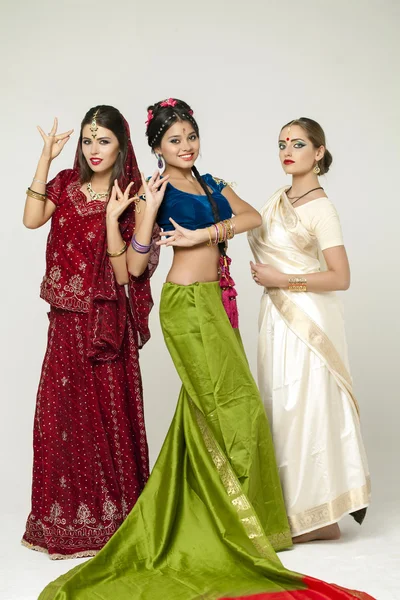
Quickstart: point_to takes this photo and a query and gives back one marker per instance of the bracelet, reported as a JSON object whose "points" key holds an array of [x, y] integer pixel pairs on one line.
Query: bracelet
{"points": [[38, 181], [297, 284], [36, 195], [114, 254], [140, 248], [209, 235]]}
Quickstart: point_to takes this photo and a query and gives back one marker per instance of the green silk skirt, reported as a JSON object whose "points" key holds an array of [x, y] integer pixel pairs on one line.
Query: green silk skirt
{"points": [[211, 517]]}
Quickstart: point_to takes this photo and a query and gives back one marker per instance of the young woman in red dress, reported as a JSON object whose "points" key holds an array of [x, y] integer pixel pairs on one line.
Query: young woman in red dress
{"points": [[90, 448]]}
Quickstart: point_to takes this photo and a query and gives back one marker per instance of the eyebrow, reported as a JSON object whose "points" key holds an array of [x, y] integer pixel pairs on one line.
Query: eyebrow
{"points": [[293, 140], [178, 135], [100, 138]]}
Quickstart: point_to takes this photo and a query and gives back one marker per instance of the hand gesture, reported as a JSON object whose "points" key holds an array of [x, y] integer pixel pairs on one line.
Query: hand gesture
{"points": [[118, 201], [154, 190], [53, 142], [266, 275], [182, 237]]}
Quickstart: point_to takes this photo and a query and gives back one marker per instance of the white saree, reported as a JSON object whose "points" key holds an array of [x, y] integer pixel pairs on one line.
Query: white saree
{"points": [[305, 383]]}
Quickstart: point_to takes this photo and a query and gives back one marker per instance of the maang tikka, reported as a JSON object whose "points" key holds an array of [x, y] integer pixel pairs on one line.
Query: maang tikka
{"points": [[93, 125]]}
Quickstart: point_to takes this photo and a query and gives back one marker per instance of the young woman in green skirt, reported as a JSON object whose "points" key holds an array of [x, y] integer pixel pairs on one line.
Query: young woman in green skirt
{"points": [[211, 517]]}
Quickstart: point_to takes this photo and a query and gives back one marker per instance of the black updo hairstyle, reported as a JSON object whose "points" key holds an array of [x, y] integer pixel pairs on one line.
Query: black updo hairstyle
{"points": [[316, 135], [160, 119]]}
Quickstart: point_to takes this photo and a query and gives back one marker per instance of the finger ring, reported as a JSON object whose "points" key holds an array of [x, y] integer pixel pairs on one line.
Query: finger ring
{"points": [[51, 135]]}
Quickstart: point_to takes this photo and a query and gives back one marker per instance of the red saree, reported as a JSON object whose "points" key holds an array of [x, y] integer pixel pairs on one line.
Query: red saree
{"points": [[90, 447]]}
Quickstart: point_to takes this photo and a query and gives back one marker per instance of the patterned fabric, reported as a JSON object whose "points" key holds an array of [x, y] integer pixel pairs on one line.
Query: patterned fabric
{"points": [[90, 449]]}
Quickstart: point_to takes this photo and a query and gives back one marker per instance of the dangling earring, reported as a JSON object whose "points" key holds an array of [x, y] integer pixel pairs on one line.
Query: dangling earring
{"points": [[316, 169], [160, 162]]}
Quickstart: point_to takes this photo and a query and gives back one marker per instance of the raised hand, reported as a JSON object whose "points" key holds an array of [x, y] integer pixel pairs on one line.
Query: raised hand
{"points": [[53, 142], [154, 189], [119, 201]]}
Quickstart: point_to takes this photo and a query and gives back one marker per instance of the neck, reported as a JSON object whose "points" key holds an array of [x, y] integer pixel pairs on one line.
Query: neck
{"points": [[178, 173], [303, 183], [101, 181]]}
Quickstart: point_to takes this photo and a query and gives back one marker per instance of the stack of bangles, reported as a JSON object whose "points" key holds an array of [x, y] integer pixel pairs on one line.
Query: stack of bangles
{"points": [[140, 248], [114, 254], [224, 230], [36, 195], [297, 284]]}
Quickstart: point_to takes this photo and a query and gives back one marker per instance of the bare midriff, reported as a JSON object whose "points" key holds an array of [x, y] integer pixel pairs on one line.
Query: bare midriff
{"points": [[192, 265]]}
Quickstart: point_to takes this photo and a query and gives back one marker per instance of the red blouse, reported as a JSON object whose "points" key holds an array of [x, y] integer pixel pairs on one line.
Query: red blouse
{"points": [[76, 229], [79, 276]]}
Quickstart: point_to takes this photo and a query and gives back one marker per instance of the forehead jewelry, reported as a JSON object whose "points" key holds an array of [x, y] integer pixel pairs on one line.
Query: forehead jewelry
{"points": [[93, 125]]}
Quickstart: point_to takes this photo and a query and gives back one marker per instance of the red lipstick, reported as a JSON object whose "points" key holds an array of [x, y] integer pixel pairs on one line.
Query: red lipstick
{"points": [[96, 161], [288, 162]]}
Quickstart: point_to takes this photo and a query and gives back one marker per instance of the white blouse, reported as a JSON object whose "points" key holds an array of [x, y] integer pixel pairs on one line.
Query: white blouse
{"points": [[321, 219]]}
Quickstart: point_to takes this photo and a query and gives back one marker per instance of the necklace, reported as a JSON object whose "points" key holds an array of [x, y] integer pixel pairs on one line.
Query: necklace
{"points": [[95, 195], [297, 198]]}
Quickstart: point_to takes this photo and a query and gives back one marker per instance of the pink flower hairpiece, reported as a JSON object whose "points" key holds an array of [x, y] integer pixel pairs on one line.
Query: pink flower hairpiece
{"points": [[190, 112], [150, 116], [169, 102]]}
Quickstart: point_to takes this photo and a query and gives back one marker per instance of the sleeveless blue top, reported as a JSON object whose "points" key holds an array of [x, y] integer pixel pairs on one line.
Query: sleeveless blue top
{"points": [[193, 211]]}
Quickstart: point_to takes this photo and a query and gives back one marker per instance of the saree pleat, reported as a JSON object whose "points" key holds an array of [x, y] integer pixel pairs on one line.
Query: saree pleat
{"points": [[212, 511]]}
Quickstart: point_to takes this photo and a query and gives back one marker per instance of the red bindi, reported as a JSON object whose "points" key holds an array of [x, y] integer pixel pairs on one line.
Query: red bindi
{"points": [[287, 139]]}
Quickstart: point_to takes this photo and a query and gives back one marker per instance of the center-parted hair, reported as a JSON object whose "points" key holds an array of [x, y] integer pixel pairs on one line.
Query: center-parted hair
{"points": [[110, 118], [160, 117]]}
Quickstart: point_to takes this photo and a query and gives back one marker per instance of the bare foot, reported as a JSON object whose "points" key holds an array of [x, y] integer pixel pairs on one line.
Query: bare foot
{"points": [[330, 532]]}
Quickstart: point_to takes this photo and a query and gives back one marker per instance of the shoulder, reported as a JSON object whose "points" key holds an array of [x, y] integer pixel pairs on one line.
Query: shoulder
{"points": [[319, 206], [215, 183]]}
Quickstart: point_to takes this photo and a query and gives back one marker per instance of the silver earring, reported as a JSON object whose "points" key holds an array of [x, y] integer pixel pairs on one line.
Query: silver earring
{"points": [[160, 162], [316, 169]]}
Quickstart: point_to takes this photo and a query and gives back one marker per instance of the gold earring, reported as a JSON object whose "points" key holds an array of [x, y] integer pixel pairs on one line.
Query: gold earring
{"points": [[316, 169]]}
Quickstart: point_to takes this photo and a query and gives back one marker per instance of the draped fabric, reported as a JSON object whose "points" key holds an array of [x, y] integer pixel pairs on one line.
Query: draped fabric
{"points": [[305, 381], [211, 515], [90, 448]]}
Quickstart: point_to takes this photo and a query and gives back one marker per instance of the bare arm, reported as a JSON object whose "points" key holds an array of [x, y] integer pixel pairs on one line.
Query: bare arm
{"points": [[38, 212], [245, 218], [146, 213], [337, 277]]}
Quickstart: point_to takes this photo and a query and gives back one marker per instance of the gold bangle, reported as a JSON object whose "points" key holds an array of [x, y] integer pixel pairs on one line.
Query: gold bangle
{"points": [[114, 254], [297, 280], [297, 287], [36, 195]]}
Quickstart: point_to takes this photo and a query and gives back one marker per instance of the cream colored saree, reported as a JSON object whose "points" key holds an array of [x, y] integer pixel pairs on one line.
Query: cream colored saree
{"points": [[305, 383]]}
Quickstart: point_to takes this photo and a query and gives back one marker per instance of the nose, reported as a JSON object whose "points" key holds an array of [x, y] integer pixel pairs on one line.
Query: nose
{"points": [[94, 148], [287, 151]]}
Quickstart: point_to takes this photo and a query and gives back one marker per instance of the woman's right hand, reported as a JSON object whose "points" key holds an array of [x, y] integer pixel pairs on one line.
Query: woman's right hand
{"points": [[53, 142], [154, 190]]}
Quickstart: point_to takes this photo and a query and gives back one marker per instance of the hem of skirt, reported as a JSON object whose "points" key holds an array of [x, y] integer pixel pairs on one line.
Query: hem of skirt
{"points": [[56, 556], [323, 523]]}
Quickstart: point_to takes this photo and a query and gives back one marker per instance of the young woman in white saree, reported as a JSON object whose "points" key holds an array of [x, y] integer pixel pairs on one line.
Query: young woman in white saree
{"points": [[303, 370]]}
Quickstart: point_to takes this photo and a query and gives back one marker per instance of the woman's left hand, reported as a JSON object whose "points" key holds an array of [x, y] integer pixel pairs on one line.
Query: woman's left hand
{"points": [[267, 276], [182, 237], [119, 201]]}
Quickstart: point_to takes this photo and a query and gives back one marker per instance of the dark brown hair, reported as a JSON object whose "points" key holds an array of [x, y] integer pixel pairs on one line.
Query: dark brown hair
{"points": [[162, 115], [110, 118], [316, 135]]}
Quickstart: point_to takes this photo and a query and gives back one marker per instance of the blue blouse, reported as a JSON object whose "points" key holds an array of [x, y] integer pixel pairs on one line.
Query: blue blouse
{"points": [[193, 211]]}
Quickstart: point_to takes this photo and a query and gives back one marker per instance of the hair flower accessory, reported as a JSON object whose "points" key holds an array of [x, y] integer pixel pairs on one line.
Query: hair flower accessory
{"points": [[150, 116], [169, 102]]}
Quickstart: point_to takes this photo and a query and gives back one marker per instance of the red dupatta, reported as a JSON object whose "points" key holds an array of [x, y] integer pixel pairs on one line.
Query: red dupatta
{"points": [[110, 307]]}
